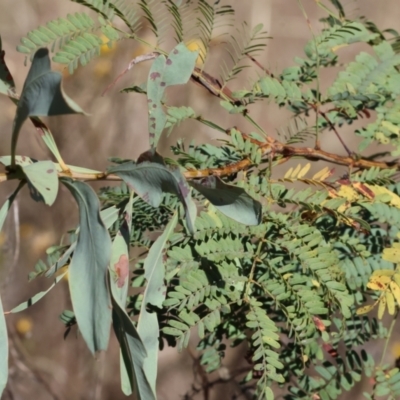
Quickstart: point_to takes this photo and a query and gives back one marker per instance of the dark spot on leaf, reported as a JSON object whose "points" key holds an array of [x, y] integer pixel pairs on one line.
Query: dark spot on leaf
{"points": [[175, 51], [149, 100], [169, 62], [154, 76], [154, 105], [162, 84], [153, 126], [50, 171], [152, 118]]}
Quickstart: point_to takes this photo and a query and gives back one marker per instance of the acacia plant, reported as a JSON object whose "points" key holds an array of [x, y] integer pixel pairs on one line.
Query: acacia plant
{"points": [[242, 254]]}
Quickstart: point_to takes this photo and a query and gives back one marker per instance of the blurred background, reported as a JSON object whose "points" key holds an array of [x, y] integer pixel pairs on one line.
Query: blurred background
{"points": [[42, 365]]}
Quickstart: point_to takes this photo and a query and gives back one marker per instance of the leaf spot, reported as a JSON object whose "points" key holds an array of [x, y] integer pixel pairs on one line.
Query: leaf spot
{"points": [[155, 75], [122, 269]]}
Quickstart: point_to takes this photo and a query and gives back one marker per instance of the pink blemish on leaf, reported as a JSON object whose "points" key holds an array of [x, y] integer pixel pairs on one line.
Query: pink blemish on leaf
{"points": [[154, 76], [146, 196], [169, 62], [154, 105], [162, 84], [50, 171], [175, 51], [122, 270]]}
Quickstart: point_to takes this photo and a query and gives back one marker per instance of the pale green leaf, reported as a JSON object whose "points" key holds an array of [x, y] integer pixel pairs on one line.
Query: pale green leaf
{"points": [[42, 181], [7, 84], [151, 179], [176, 69], [41, 95], [87, 271], [133, 354], [3, 351], [154, 294], [230, 200]]}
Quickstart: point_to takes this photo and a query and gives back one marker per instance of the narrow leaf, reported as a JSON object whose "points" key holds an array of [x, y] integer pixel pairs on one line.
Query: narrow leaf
{"points": [[7, 85], [3, 328], [87, 272], [154, 294], [42, 181], [7, 205], [41, 95], [133, 355], [3, 351], [151, 179], [164, 72], [232, 201], [33, 300]]}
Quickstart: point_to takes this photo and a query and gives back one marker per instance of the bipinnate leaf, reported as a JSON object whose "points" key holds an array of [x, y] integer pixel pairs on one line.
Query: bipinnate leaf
{"points": [[151, 179], [7, 85], [42, 181], [87, 271], [154, 294], [41, 95], [230, 200], [176, 69]]}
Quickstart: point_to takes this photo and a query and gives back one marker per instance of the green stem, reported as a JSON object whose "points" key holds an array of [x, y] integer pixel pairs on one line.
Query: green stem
{"points": [[253, 267]]}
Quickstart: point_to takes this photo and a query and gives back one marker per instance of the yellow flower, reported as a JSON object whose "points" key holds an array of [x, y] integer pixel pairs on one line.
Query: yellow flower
{"points": [[197, 45], [24, 326]]}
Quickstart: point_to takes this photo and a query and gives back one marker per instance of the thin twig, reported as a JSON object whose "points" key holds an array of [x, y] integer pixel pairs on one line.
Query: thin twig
{"points": [[267, 71], [332, 126], [132, 63], [267, 148]]}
